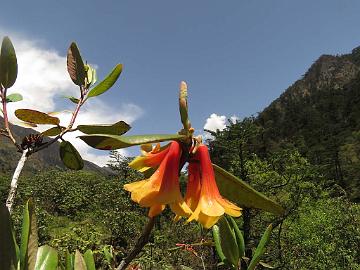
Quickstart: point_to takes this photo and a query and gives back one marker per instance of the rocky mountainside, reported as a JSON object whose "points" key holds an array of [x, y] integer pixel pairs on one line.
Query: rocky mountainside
{"points": [[320, 115], [39, 161]]}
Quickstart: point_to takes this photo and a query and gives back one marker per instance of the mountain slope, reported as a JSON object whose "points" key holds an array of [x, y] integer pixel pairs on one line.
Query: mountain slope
{"points": [[41, 160], [320, 115]]}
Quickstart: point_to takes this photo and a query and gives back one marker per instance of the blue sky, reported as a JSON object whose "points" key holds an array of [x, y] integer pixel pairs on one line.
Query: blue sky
{"points": [[236, 56]]}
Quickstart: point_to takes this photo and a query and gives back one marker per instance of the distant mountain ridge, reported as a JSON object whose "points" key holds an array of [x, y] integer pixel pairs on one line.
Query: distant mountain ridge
{"points": [[47, 158], [320, 115]]}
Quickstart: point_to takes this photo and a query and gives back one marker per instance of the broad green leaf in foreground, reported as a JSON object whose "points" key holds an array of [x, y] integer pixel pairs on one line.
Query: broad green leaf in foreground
{"points": [[243, 194], [29, 238], [111, 142], [118, 128], [36, 117], [75, 65], [70, 156], [228, 242], [8, 63], [15, 97], [8, 258], [260, 249], [47, 259], [89, 260], [107, 83]]}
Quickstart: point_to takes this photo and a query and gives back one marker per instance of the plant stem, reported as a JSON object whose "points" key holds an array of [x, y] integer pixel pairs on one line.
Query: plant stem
{"points": [[14, 182], [142, 241]]}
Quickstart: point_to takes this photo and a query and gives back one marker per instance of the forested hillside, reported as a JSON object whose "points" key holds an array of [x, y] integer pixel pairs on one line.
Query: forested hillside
{"points": [[320, 116]]}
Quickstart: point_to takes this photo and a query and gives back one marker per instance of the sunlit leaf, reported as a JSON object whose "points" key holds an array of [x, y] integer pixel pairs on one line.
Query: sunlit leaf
{"points": [[75, 65], [79, 263], [29, 237], [217, 241], [118, 128], [14, 98], [70, 156], [260, 249], [8, 258], [243, 194], [239, 237], [111, 142], [91, 75], [89, 260], [228, 241], [8, 63], [54, 131], [106, 84], [47, 259], [36, 117]]}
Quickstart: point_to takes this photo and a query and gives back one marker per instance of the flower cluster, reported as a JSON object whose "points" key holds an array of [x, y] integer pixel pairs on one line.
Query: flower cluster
{"points": [[202, 201]]}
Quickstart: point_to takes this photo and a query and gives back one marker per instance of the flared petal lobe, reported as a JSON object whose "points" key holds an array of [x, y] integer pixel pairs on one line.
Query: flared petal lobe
{"points": [[211, 205], [150, 159], [163, 186]]}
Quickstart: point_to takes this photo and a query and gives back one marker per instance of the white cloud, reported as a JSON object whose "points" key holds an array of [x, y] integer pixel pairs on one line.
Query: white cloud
{"points": [[43, 79], [215, 122]]}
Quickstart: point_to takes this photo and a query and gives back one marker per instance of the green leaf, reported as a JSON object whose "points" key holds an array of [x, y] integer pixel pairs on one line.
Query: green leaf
{"points": [[47, 259], [70, 156], [228, 242], [69, 261], [91, 75], [106, 83], [108, 254], [79, 263], [29, 237], [243, 194], [111, 142], [8, 63], [54, 131], [8, 258], [216, 236], [239, 237], [75, 65], [118, 128], [89, 260], [72, 99], [36, 117], [260, 249], [14, 98]]}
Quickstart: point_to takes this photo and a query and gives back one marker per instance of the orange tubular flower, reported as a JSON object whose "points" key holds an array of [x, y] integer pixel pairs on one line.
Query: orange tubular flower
{"points": [[163, 186], [210, 205]]}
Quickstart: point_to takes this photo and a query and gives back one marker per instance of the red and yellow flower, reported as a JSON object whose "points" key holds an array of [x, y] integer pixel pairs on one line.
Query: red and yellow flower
{"points": [[162, 187], [203, 196]]}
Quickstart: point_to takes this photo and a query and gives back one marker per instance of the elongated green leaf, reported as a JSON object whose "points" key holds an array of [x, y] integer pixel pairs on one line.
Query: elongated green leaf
{"points": [[239, 237], [14, 98], [69, 261], [111, 142], [228, 242], [36, 117], [29, 238], [89, 260], [8, 63], [79, 263], [216, 236], [8, 258], [72, 99], [260, 249], [107, 83], [54, 131], [75, 65], [243, 194], [70, 156], [118, 128], [47, 259]]}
